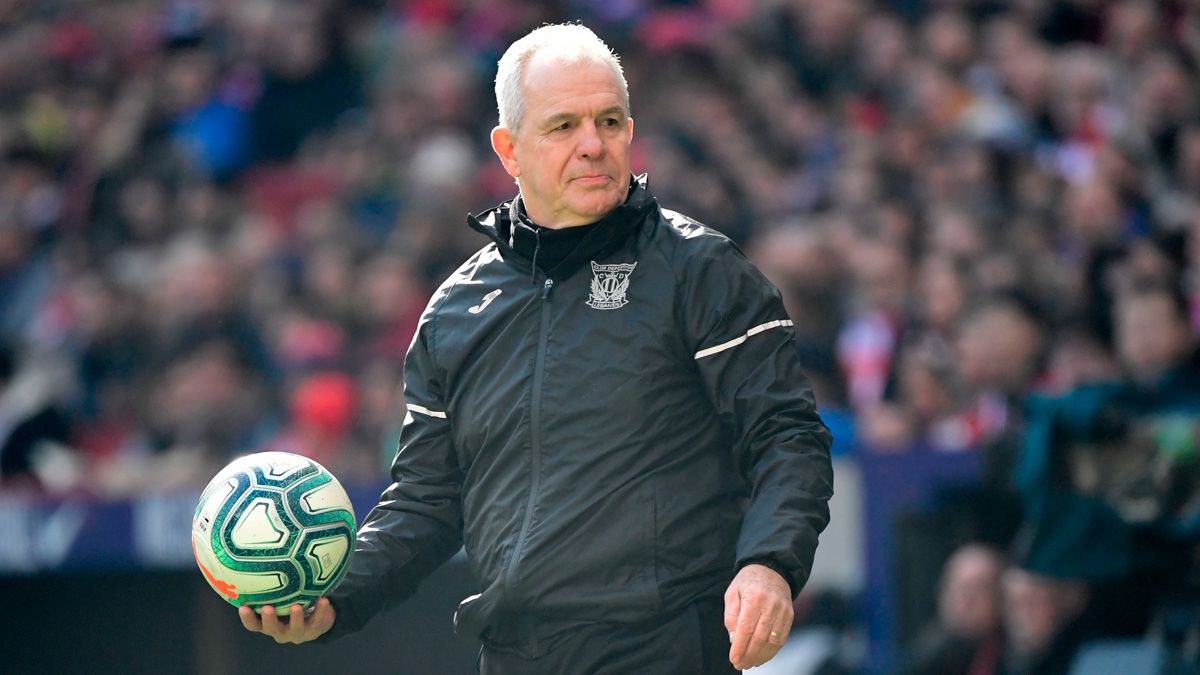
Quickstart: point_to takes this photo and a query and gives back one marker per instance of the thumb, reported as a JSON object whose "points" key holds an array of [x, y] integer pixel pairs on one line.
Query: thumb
{"points": [[733, 606]]}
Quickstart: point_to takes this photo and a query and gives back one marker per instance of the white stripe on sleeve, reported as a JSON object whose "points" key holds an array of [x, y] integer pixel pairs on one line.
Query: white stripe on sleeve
{"points": [[425, 411], [781, 323]]}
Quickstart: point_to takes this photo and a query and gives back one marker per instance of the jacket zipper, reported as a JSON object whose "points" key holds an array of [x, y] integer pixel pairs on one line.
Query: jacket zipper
{"points": [[535, 422]]}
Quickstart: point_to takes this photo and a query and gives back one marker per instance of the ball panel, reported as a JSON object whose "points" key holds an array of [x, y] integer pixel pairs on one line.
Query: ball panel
{"points": [[221, 504], [322, 573], [259, 526], [326, 497], [266, 582], [326, 557], [228, 520], [328, 491], [283, 470], [213, 496]]}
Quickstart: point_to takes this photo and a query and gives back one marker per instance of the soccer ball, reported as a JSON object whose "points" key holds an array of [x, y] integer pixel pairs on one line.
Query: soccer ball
{"points": [[273, 528]]}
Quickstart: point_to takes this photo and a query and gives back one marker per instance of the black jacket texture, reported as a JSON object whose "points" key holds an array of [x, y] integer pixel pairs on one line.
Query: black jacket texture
{"points": [[609, 440]]}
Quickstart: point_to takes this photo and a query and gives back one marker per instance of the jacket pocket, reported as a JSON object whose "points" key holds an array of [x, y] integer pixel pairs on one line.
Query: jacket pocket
{"points": [[477, 615], [597, 563]]}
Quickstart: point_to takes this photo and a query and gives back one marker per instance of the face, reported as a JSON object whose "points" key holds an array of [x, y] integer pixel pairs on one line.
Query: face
{"points": [[999, 348], [1029, 611], [970, 599], [571, 153], [1036, 608], [1151, 336]]}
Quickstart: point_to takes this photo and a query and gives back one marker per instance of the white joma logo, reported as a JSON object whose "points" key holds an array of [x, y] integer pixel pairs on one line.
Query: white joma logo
{"points": [[487, 300]]}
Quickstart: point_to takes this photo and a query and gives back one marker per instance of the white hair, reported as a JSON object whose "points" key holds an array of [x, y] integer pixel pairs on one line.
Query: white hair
{"points": [[573, 43]]}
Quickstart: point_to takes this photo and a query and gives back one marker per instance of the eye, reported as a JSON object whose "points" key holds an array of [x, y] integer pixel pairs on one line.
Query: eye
{"points": [[611, 122], [562, 127]]}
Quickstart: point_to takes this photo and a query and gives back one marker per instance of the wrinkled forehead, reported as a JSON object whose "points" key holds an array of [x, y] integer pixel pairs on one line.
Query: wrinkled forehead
{"points": [[554, 69]]}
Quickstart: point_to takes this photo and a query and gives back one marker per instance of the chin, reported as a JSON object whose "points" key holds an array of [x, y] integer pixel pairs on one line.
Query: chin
{"points": [[597, 205]]}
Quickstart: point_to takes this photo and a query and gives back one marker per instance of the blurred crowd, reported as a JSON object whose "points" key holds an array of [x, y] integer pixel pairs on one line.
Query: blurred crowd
{"points": [[220, 220]]}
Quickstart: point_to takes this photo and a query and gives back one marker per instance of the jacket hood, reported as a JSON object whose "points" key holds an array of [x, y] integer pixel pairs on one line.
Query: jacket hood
{"points": [[503, 225]]}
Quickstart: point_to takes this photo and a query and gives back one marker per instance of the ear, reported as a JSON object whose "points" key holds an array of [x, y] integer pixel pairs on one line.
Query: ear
{"points": [[502, 144], [630, 129]]}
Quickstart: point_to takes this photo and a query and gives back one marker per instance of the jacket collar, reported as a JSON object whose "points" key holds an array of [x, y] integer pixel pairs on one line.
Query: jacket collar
{"points": [[604, 237]]}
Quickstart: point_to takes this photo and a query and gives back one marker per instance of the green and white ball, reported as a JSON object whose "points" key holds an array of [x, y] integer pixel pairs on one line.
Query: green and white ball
{"points": [[273, 528]]}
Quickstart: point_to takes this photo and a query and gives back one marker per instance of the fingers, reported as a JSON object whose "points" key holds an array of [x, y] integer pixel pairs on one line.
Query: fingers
{"points": [[761, 626], [733, 604], [762, 632], [762, 646], [297, 628], [271, 625], [322, 618], [754, 643], [763, 615], [774, 628], [250, 620], [743, 632], [768, 636], [785, 623]]}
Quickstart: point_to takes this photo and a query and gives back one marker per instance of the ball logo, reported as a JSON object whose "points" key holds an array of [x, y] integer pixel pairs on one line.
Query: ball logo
{"points": [[222, 587], [609, 285]]}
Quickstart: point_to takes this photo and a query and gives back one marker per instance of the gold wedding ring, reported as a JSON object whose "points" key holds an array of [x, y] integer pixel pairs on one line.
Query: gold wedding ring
{"points": [[774, 635]]}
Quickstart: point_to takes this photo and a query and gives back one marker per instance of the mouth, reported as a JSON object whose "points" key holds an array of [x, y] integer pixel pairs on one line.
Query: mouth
{"points": [[592, 180]]}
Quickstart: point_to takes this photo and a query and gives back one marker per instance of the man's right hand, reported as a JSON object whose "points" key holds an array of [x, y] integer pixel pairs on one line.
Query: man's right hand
{"points": [[299, 628]]}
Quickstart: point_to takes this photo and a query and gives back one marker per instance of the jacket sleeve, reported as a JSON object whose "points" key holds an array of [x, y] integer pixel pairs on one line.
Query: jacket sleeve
{"points": [[748, 361], [417, 524]]}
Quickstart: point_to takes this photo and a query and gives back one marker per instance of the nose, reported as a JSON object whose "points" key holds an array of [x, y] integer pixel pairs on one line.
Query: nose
{"points": [[590, 146]]}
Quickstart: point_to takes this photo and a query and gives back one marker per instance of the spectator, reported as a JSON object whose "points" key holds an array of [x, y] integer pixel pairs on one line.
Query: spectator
{"points": [[33, 431], [212, 129], [967, 638], [1154, 340], [321, 415], [1001, 347], [867, 344], [308, 82], [1041, 616]]}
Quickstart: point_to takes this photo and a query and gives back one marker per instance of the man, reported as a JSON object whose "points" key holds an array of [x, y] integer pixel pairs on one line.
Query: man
{"points": [[1154, 340], [31, 426], [1042, 615], [966, 638], [605, 407]]}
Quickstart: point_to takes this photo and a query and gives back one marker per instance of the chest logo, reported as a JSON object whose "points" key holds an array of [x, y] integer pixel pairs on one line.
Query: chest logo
{"points": [[487, 300], [609, 284]]}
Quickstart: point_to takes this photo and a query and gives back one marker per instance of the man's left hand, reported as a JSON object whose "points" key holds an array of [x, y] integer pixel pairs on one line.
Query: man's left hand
{"points": [[758, 615]]}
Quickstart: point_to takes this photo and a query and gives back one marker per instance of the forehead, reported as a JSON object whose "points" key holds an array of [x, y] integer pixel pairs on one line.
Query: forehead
{"points": [[554, 84]]}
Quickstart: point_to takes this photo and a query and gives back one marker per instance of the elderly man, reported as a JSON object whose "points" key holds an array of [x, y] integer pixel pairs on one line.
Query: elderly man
{"points": [[605, 407]]}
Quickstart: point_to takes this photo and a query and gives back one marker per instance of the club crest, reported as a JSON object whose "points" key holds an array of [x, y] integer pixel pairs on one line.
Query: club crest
{"points": [[609, 284]]}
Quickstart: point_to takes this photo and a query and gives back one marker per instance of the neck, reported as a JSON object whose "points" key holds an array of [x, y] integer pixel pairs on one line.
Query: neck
{"points": [[549, 222], [545, 217]]}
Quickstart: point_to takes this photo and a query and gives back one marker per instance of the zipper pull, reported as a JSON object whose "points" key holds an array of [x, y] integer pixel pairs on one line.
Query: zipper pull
{"points": [[549, 286]]}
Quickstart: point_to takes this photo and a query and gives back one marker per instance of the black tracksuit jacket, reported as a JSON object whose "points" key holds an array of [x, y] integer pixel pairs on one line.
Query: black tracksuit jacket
{"points": [[609, 441]]}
